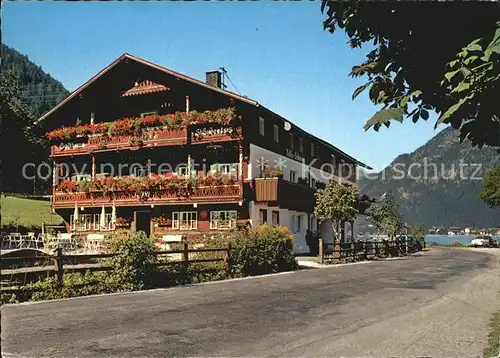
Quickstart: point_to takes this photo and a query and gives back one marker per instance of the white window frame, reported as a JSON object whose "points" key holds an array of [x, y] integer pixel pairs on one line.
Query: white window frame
{"points": [[262, 126], [223, 220], [293, 176], [262, 216], [276, 133], [97, 222], [299, 225], [185, 220], [277, 216]]}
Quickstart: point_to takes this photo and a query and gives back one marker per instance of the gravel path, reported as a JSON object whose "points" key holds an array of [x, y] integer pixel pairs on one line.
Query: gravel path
{"points": [[436, 303]]}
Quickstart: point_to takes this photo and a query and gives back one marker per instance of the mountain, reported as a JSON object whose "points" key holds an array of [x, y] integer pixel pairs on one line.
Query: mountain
{"points": [[39, 91], [26, 92], [438, 184]]}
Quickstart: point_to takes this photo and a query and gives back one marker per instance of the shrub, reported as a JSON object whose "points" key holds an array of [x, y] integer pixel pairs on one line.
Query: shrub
{"points": [[133, 267], [258, 250]]}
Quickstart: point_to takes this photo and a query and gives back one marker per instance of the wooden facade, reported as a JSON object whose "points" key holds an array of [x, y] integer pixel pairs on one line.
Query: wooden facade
{"points": [[131, 88]]}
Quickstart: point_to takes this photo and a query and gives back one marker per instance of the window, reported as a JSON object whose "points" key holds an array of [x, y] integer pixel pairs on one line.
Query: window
{"points": [[225, 168], [276, 218], [312, 150], [138, 170], [276, 133], [291, 140], [83, 224], [221, 220], [145, 114], [262, 216], [182, 170], [261, 126], [185, 220], [301, 145], [296, 223], [293, 176]]}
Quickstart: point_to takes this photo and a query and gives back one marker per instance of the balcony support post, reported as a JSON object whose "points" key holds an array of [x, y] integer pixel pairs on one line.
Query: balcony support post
{"points": [[240, 165], [187, 104], [93, 166], [189, 165], [54, 172]]}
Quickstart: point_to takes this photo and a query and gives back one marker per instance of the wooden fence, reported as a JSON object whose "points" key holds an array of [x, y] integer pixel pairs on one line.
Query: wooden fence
{"points": [[68, 263], [363, 250]]}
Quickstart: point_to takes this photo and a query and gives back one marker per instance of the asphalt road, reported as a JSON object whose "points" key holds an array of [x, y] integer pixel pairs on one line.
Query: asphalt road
{"points": [[434, 304]]}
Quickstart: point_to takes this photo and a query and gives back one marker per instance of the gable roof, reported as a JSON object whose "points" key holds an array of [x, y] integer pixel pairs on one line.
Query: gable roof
{"points": [[180, 76]]}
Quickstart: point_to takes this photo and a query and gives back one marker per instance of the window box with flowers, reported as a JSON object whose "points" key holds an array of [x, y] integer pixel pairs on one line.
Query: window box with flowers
{"points": [[135, 126], [122, 223], [162, 221], [273, 173]]}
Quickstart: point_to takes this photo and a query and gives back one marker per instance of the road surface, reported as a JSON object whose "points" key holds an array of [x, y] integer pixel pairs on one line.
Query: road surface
{"points": [[436, 303]]}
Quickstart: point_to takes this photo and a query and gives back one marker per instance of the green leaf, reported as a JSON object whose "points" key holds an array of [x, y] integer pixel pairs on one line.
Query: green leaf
{"points": [[415, 117], [450, 75], [452, 63], [474, 46], [383, 116], [424, 114], [470, 59], [359, 90], [450, 111], [462, 86], [465, 71]]}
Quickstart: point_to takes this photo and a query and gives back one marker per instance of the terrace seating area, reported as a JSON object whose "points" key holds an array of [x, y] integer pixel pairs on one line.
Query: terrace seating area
{"points": [[69, 242]]}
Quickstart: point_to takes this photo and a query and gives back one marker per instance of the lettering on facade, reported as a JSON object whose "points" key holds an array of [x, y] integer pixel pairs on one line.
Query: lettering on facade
{"points": [[293, 155], [210, 131]]}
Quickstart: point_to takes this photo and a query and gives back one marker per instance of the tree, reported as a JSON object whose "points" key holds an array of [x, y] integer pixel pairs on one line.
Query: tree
{"points": [[18, 135], [491, 188], [338, 203], [433, 56], [386, 215]]}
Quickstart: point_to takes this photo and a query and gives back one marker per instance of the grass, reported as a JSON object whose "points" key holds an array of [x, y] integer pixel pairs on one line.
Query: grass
{"points": [[493, 349], [27, 213]]}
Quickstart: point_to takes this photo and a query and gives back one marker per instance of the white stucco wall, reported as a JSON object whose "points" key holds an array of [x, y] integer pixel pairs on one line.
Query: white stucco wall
{"points": [[285, 163], [285, 219], [273, 160]]}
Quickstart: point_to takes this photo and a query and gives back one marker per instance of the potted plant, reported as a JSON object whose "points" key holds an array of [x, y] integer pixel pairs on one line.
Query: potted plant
{"points": [[273, 173]]}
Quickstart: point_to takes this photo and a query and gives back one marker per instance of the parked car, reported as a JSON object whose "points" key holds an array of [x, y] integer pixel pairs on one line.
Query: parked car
{"points": [[484, 241]]}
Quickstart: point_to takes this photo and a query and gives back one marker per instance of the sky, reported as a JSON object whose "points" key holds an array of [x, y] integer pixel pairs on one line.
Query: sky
{"points": [[276, 53]]}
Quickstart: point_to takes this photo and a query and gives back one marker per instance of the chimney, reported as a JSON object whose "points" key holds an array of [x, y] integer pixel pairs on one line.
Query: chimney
{"points": [[214, 78]]}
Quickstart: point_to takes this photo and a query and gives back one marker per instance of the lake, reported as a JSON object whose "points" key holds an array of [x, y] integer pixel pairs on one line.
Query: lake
{"points": [[463, 239]]}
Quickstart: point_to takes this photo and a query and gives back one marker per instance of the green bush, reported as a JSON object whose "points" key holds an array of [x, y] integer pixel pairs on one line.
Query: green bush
{"points": [[133, 267], [258, 250]]}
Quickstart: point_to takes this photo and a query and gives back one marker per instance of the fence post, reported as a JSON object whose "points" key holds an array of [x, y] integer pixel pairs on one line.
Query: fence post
{"points": [[185, 253], [320, 251], [58, 261], [228, 258]]}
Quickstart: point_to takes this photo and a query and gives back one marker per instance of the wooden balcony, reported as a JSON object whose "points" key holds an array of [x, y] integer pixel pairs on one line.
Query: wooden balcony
{"points": [[200, 195], [282, 193], [103, 143]]}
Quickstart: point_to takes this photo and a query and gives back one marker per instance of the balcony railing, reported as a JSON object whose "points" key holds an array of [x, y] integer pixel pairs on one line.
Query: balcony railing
{"points": [[202, 194], [284, 194], [102, 142]]}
